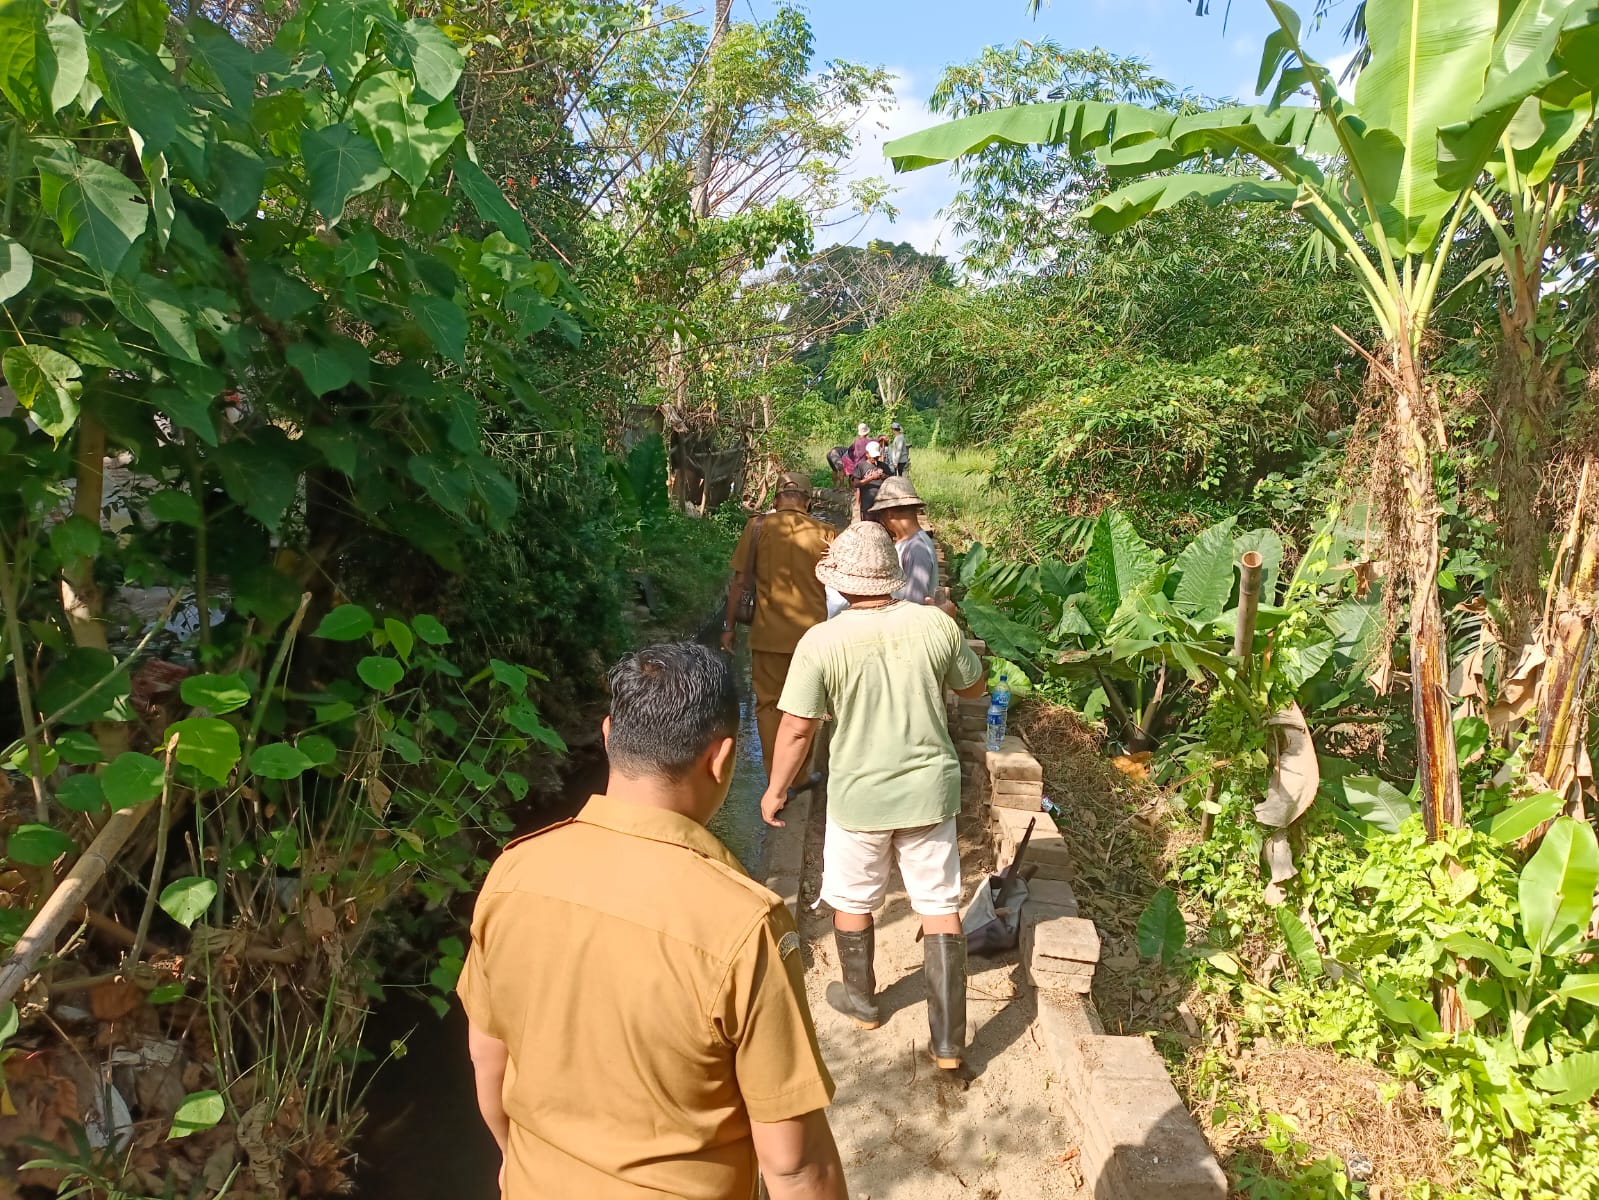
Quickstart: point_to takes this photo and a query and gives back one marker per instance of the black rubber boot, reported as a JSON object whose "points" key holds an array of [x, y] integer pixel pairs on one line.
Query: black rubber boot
{"points": [[944, 965], [856, 997]]}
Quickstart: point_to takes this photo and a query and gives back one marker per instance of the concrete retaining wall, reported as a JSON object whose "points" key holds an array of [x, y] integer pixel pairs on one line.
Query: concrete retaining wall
{"points": [[1139, 1141]]}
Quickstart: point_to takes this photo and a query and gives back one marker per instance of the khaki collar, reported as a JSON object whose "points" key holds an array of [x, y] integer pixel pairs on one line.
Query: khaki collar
{"points": [[656, 825]]}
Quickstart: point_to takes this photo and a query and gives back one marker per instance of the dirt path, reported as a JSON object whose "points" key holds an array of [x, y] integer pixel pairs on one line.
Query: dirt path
{"points": [[907, 1131]]}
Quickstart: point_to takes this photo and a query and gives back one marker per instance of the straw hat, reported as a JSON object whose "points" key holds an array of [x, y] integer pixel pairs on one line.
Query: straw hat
{"points": [[863, 429], [897, 492], [862, 561]]}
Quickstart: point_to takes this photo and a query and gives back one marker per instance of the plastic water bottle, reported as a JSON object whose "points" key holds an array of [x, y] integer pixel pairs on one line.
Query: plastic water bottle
{"points": [[998, 712]]}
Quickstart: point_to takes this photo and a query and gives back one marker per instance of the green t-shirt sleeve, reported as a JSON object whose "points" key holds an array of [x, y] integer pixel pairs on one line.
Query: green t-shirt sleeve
{"points": [[804, 692], [965, 668]]}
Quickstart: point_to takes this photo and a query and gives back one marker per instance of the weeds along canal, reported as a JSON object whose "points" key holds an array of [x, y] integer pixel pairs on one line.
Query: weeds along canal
{"points": [[423, 1138]]}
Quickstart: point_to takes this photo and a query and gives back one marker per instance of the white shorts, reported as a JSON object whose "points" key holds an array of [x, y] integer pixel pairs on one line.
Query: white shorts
{"points": [[855, 868]]}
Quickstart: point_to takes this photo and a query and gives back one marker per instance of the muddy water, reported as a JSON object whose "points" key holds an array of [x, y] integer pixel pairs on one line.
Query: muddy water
{"points": [[424, 1139]]}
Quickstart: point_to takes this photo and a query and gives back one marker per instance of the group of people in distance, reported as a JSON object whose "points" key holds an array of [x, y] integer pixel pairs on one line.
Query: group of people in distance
{"points": [[866, 462], [638, 1022]]}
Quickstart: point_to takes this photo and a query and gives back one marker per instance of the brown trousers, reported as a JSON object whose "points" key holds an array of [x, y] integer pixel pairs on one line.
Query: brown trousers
{"points": [[768, 673]]}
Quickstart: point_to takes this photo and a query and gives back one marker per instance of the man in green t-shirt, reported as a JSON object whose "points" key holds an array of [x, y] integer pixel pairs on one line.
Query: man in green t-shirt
{"points": [[880, 668]]}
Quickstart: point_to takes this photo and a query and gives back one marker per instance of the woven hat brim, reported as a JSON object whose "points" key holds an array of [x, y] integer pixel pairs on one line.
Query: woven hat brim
{"points": [[851, 584], [898, 502]]}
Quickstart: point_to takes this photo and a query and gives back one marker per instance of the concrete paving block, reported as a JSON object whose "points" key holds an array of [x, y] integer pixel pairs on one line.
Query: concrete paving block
{"points": [[1019, 803], [1068, 938], [969, 751], [1014, 761], [1018, 787], [1051, 896], [1141, 1141]]}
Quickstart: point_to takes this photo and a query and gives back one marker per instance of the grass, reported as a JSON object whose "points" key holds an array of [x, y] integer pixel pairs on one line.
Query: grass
{"points": [[963, 505]]}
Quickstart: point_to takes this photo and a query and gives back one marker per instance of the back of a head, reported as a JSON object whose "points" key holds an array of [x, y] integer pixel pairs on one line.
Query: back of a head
{"points": [[668, 704]]}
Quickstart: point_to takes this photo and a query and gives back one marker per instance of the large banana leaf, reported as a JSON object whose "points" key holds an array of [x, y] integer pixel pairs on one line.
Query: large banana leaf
{"points": [[1428, 62], [1128, 205], [1529, 58], [1081, 126], [1557, 886]]}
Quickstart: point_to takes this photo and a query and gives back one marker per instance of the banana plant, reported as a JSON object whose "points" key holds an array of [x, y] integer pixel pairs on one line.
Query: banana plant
{"points": [[1387, 177]]}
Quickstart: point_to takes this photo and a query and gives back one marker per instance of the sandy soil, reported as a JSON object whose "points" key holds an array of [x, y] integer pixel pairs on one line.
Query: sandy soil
{"points": [[999, 1128]]}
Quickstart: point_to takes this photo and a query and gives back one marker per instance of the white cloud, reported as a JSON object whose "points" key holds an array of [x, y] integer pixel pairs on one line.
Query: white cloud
{"points": [[918, 195]]}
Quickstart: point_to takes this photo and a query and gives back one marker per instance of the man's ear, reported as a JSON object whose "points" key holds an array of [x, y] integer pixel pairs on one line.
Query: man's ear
{"points": [[605, 732], [720, 759]]}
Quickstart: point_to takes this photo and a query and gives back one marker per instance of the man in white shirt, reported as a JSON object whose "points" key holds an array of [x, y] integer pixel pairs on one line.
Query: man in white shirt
{"points": [[900, 510]]}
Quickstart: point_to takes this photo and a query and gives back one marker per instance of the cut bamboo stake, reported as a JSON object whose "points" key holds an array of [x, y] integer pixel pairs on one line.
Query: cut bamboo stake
{"points": [[1249, 573]]}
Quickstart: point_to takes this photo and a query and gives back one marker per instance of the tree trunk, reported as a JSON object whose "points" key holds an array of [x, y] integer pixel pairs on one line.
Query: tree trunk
{"points": [[705, 155], [1568, 638], [1417, 434]]}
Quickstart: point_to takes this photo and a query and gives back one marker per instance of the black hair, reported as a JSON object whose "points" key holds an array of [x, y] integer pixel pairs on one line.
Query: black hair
{"points": [[668, 704]]}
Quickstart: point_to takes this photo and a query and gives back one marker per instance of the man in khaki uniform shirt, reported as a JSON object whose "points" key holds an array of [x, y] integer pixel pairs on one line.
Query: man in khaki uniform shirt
{"points": [[785, 546], [638, 1023]]}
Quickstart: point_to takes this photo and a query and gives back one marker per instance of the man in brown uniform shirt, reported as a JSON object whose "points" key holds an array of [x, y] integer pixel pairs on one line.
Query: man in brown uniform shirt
{"points": [[637, 1011], [782, 548]]}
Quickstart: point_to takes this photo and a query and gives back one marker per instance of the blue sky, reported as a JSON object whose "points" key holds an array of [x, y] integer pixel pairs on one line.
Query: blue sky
{"points": [[918, 38]]}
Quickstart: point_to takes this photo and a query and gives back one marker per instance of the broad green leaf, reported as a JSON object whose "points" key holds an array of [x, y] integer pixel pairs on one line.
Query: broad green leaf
{"points": [[1557, 886], [490, 202], [218, 693], [380, 673], [1524, 62], [412, 137], [98, 210], [1162, 932], [400, 637], [357, 252], [1378, 802], [86, 685], [239, 174], [426, 51], [75, 538], [43, 60], [340, 447], [263, 475], [131, 779], [216, 59], [1520, 819], [430, 630], [139, 89], [1469, 946], [47, 384], [1270, 547], [1118, 562], [208, 744], [318, 750], [507, 675], [16, 268], [1301, 946], [78, 748], [1581, 987], [1205, 573], [198, 1112], [346, 623], [81, 793], [36, 845], [173, 507], [186, 900], [158, 308], [445, 324], [1410, 1012], [9, 1022], [1132, 202], [516, 784], [279, 760], [1574, 1079], [323, 368], [1080, 127], [341, 29], [1428, 61], [340, 164]]}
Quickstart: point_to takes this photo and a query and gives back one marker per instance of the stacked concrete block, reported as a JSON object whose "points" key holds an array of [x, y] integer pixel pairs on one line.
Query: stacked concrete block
{"points": [[1138, 1138], [1015, 777], [1059, 951], [1046, 849]]}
